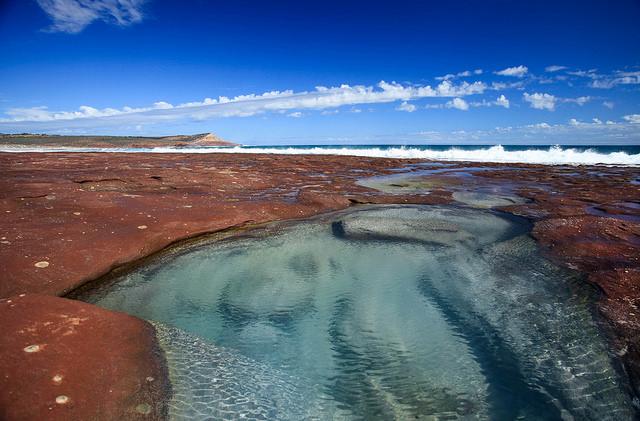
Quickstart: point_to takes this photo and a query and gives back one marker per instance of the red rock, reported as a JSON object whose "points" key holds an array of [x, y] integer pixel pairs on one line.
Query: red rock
{"points": [[67, 360], [81, 214]]}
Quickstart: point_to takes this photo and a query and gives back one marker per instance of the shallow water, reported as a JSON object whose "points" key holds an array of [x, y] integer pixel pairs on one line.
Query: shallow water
{"points": [[377, 313], [476, 195]]}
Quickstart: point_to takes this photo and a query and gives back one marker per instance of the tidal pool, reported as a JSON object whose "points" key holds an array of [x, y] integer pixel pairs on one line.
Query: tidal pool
{"points": [[473, 194], [394, 312]]}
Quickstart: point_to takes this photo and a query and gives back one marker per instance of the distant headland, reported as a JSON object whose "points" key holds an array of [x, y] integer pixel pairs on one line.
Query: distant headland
{"points": [[90, 141]]}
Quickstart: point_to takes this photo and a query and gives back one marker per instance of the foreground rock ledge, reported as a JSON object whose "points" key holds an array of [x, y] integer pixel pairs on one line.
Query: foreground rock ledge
{"points": [[66, 360]]}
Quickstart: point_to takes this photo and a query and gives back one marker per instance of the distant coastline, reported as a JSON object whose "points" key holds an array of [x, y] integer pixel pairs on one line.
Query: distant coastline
{"points": [[88, 141]]}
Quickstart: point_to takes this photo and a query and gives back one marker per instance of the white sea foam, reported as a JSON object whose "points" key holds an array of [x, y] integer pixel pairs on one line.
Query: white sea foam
{"points": [[555, 155]]}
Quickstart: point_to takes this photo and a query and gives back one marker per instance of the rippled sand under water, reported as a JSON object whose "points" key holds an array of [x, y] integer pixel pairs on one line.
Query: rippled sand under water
{"points": [[409, 312]]}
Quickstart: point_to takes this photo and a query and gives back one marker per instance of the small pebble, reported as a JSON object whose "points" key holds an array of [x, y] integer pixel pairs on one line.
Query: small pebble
{"points": [[76, 213], [42, 264], [32, 348], [57, 379], [142, 227], [62, 399]]}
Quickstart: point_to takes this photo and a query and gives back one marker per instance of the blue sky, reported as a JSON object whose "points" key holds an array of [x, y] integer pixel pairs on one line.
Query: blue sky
{"points": [[284, 72]]}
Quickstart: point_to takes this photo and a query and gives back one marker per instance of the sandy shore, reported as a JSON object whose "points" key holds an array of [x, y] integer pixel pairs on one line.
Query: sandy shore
{"points": [[72, 218]]}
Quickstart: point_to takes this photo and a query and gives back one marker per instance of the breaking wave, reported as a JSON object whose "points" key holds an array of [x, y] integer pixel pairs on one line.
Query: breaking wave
{"points": [[553, 155]]}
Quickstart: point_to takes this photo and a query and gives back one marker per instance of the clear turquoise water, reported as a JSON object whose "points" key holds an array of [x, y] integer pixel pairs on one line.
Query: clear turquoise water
{"points": [[377, 313]]}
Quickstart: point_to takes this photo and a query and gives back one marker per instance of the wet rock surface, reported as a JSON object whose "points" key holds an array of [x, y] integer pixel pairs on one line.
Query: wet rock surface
{"points": [[68, 218], [81, 215], [66, 360]]}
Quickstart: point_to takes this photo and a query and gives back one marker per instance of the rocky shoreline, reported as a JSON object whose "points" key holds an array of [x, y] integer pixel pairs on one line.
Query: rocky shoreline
{"points": [[70, 218]]}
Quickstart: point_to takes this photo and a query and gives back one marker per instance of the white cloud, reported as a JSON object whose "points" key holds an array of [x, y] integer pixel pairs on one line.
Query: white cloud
{"points": [[594, 122], [247, 105], [608, 104], [542, 125], [296, 114], [581, 100], [466, 73], [632, 118], [608, 81], [72, 16], [501, 86], [517, 71], [458, 104], [161, 105], [405, 106], [502, 101], [591, 73], [541, 101], [554, 68], [615, 79]]}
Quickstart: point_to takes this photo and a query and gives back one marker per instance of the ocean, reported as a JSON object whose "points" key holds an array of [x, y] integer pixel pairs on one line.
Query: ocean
{"points": [[626, 155]]}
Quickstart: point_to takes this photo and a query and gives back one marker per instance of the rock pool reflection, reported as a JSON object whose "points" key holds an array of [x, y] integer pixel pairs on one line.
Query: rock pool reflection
{"points": [[377, 313]]}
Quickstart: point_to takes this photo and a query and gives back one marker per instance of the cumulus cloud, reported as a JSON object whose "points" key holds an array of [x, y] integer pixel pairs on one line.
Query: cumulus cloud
{"points": [[554, 68], [405, 106], [517, 71], [247, 105], [608, 104], [502, 101], [541, 101], [72, 16], [458, 104], [632, 118]]}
